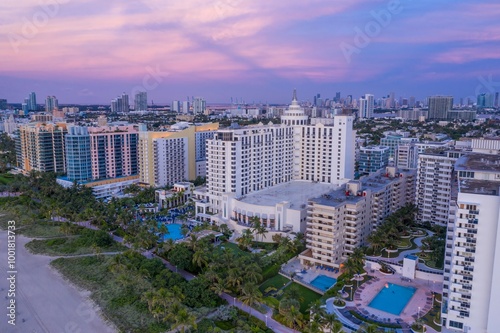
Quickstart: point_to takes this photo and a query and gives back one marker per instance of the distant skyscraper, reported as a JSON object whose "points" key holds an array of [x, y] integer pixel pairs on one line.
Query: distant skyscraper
{"points": [[32, 102], [348, 100], [51, 104], [366, 105], [185, 107], [337, 97], [485, 101], [392, 100], [316, 97], [121, 104], [439, 107], [125, 105], [199, 105], [176, 106], [3, 104], [141, 101], [411, 102], [496, 100]]}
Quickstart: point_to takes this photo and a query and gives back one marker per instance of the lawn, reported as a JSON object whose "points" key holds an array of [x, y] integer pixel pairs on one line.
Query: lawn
{"points": [[277, 282], [6, 178], [235, 248], [308, 295]]}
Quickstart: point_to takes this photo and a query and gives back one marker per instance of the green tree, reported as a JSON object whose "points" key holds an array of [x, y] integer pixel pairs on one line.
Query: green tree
{"points": [[250, 295]]}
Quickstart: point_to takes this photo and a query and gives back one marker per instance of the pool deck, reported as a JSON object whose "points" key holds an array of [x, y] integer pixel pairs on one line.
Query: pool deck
{"points": [[421, 299], [294, 266]]}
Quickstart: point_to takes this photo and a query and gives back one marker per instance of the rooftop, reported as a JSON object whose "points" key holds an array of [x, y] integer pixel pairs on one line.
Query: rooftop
{"points": [[295, 192], [478, 162], [476, 186], [374, 183]]}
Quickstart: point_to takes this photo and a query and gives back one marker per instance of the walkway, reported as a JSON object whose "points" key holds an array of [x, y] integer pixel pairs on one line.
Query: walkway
{"points": [[403, 254], [267, 318]]}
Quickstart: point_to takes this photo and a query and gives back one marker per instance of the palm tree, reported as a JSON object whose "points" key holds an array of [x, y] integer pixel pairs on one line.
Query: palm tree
{"points": [[376, 241], [234, 277], [252, 273], [331, 322], [316, 308], [358, 256], [199, 259], [149, 298], [219, 287], [250, 295], [193, 242], [293, 317], [184, 318], [349, 267]]}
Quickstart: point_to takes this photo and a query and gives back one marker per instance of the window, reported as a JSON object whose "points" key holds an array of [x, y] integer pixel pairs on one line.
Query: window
{"points": [[456, 324]]}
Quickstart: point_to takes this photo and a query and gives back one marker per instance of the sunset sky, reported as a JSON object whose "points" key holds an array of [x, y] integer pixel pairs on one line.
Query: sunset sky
{"points": [[89, 51]]}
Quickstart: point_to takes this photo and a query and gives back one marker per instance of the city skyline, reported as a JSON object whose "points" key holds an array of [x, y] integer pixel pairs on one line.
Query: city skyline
{"points": [[89, 52]]}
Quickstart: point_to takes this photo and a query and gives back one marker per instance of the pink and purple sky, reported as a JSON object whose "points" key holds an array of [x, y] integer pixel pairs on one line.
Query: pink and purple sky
{"points": [[89, 51]]}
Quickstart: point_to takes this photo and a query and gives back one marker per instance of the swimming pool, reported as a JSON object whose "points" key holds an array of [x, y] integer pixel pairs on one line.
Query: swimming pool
{"points": [[392, 298], [323, 282], [174, 232]]}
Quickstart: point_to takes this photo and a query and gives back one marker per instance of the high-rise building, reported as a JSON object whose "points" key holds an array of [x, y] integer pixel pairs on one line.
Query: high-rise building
{"points": [[173, 156], [185, 107], [125, 105], [141, 101], [341, 220], [41, 147], [3, 104], [10, 125], [373, 158], [51, 104], [199, 105], [113, 151], [120, 104], [32, 102], [485, 100], [366, 106], [496, 100], [392, 100], [337, 97], [78, 155], [176, 106], [434, 179], [439, 107], [250, 160], [348, 100], [472, 268], [406, 156], [411, 102]]}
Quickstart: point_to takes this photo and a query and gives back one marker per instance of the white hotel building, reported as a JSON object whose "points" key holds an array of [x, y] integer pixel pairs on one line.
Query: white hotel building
{"points": [[471, 290], [434, 179], [270, 171]]}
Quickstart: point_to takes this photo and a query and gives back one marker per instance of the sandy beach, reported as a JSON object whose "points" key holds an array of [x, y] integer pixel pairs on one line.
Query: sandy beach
{"points": [[45, 302]]}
